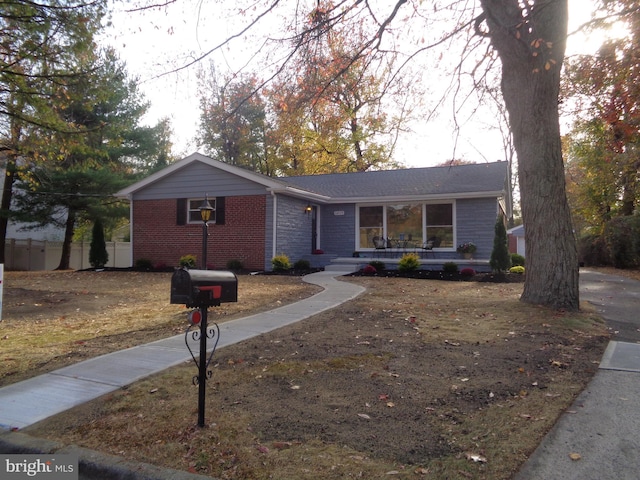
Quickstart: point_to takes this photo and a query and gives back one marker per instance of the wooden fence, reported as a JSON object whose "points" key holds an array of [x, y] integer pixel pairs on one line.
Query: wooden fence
{"points": [[29, 254]]}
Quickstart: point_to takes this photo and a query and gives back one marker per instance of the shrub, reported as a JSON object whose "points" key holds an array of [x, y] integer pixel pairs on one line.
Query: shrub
{"points": [[450, 267], [280, 263], [235, 265], [519, 269], [409, 262], [188, 261], [621, 237], [378, 265], [302, 265], [592, 251], [517, 260], [500, 259], [143, 264], [369, 270], [467, 272]]}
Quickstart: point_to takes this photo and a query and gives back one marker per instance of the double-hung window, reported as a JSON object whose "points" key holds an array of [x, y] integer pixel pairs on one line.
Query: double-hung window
{"points": [[193, 210]]}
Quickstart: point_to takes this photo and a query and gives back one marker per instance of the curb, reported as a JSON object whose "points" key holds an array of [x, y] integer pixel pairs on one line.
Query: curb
{"points": [[91, 464]]}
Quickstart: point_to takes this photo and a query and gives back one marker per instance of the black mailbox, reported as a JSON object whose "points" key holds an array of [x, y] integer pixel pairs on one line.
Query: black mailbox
{"points": [[203, 288]]}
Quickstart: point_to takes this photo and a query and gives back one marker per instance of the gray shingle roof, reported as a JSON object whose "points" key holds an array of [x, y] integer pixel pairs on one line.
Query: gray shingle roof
{"points": [[459, 179]]}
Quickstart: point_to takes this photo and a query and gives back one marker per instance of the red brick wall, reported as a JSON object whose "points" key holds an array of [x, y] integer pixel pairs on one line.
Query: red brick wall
{"points": [[158, 238]]}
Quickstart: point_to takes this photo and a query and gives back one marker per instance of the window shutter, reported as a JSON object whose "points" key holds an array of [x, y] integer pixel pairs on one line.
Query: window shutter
{"points": [[181, 211], [220, 210]]}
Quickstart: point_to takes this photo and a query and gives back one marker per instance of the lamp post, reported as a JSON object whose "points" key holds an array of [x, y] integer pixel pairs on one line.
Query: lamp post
{"points": [[205, 214]]}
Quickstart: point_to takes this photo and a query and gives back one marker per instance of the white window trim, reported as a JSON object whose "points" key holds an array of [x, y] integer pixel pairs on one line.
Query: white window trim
{"points": [[424, 223], [199, 201]]}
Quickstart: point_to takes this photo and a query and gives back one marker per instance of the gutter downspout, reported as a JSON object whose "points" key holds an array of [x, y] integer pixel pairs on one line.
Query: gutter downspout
{"points": [[274, 235]]}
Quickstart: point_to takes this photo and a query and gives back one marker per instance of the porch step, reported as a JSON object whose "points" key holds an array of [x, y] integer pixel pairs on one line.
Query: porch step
{"points": [[341, 267]]}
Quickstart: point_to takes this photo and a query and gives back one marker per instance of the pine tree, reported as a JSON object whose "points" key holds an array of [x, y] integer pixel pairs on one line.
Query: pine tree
{"points": [[500, 258], [98, 256]]}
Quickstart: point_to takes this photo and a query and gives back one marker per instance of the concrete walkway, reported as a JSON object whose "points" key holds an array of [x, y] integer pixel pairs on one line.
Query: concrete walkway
{"points": [[32, 400]]}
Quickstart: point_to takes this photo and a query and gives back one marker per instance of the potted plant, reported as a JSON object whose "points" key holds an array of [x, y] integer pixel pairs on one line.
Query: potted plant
{"points": [[466, 249]]}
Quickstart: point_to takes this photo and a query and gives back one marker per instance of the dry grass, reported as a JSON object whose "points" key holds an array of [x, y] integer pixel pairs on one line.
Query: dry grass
{"points": [[443, 372], [52, 319]]}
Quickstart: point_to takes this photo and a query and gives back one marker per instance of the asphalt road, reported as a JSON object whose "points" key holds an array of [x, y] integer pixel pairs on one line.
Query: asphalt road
{"points": [[617, 299]]}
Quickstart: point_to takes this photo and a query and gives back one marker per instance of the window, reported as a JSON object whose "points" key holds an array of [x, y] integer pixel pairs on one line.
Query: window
{"points": [[440, 224], [371, 225], [193, 210], [188, 210], [413, 223], [404, 223]]}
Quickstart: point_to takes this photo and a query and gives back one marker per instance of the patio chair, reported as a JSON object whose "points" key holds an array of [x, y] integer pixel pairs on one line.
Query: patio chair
{"points": [[427, 247], [380, 245]]}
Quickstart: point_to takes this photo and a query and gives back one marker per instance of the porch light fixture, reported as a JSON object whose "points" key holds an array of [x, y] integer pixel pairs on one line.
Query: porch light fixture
{"points": [[205, 209], [205, 214], [308, 209]]}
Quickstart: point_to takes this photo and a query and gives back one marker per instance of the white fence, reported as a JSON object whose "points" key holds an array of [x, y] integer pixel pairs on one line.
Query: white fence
{"points": [[31, 254]]}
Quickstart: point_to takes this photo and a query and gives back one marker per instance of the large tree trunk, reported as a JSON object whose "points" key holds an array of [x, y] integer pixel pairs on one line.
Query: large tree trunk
{"points": [[531, 47], [65, 258], [5, 202]]}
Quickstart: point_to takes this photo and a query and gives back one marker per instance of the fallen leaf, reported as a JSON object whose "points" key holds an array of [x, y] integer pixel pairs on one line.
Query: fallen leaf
{"points": [[282, 445], [262, 449], [575, 456], [475, 457], [153, 390], [365, 416], [391, 404]]}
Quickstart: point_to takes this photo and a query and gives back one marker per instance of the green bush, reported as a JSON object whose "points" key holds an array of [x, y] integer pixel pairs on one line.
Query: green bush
{"points": [[143, 264], [517, 260], [409, 262], [622, 237], [500, 259], [280, 263], [450, 267], [592, 251], [519, 269], [302, 265], [378, 265], [188, 261], [235, 265]]}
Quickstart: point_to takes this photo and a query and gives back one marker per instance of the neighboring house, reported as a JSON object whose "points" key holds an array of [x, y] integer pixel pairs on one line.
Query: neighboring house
{"points": [[257, 217], [516, 239]]}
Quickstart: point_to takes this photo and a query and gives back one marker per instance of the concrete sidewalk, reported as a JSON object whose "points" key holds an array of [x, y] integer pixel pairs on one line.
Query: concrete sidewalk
{"points": [[27, 402], [603, 424]]}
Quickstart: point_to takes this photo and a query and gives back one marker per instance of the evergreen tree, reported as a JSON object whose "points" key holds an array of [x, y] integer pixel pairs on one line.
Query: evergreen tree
{"points": [[500, 258], [98, 255]]}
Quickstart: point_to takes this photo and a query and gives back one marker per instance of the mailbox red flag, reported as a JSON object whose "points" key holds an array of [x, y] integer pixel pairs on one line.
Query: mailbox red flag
{"points": [[194, 317]]}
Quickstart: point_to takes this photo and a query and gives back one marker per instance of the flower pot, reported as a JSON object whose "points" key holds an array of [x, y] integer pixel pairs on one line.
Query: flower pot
{"points": [[467, 255]]}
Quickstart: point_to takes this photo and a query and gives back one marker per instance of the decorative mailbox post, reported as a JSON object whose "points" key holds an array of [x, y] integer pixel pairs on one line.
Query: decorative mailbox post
{"points": [[201, 289]]}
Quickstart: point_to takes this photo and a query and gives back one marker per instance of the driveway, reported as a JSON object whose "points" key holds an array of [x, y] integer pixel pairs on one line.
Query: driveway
{"points": [[617, 299]]}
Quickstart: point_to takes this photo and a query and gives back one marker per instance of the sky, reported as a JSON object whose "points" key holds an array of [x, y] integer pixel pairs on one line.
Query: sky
{"points": [[155, 43]]}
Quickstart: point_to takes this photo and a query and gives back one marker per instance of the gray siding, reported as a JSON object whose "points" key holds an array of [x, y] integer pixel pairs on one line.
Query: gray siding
{"points": [[337, 229], [294, 228], [476, 219], [196, 179], [268, 233]]}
